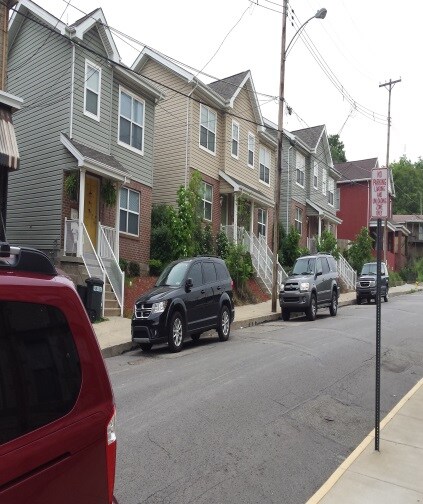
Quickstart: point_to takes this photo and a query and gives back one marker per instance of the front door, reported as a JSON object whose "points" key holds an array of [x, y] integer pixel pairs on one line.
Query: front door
{"points": [[92, 187]]}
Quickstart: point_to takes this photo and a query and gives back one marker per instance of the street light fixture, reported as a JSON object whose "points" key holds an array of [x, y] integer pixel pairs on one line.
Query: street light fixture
{"points": [[320, 14]]}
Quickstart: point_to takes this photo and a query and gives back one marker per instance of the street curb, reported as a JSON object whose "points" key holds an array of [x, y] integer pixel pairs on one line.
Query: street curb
{"points": [[120, 349], [334, 478]]}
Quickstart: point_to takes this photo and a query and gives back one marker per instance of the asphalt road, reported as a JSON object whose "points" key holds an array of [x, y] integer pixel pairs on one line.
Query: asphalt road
{"points": [[265, 417]]}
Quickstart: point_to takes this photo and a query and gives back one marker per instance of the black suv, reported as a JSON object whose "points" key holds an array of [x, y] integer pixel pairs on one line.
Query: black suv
{"points": [[313, 284], [365, 288], [191, 296]]}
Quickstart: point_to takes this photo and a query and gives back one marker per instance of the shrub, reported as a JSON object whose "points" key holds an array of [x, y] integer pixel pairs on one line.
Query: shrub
{"points": [[327, 243], [162, 244], [203, 238], [222, 245], [156, 267], [289, 247], [240, 267], [395, 279], [360, 251], [133, 269], [123, 264]]}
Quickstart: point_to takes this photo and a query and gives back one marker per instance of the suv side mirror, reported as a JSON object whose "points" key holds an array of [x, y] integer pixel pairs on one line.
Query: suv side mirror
{"points": [[189, 284], [318, 273]]}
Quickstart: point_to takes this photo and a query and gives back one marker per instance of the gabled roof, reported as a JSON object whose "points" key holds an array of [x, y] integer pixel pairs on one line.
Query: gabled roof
{"points": [[403, 219], [229, 86], [357, 170], [310, 136], [77, 30]]}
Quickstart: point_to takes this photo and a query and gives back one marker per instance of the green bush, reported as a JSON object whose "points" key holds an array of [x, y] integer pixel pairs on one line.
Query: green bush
{"points": [[328, 243], [156, 267], [222, 245], [133, 269], [289, 247], [360, 251], [240, 267], [123, 264], [162, 244], [204, 241], [395, 279]]}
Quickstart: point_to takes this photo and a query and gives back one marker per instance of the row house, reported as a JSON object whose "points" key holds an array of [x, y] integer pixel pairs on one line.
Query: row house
{"points": [[355, 211], [308, 189], [89, 119], [414, 224]]}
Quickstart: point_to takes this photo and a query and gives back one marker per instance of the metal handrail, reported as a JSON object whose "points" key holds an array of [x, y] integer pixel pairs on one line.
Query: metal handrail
{"points": [[346, 272]]}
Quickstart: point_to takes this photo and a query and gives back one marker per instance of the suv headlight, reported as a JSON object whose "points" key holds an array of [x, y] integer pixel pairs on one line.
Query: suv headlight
{"points": [[282, 287], [304, 286], [357, 284], [372, 283], [159, 307]]}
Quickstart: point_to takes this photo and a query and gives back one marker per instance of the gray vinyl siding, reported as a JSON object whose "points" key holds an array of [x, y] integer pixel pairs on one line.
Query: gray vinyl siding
{"points": [[139, 166], [316, 195], [286, 187], [169, 159], [35, 190], [297, 192], [85, 129]]}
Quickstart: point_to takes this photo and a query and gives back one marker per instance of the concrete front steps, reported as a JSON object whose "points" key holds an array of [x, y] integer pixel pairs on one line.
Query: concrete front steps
{"points": [[111, 305]]}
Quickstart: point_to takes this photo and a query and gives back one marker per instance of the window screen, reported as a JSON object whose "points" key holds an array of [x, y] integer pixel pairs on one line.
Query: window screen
{"points": [[40, 374]]}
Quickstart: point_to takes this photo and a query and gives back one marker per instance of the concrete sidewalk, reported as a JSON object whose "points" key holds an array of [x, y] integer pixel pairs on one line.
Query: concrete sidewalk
{"points": [[392, 475], [114, 334]]}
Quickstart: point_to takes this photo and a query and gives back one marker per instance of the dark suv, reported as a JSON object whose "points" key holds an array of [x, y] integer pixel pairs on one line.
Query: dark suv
{"points": [[57, 413], [191, 296], [312, 284], [365, 288]]}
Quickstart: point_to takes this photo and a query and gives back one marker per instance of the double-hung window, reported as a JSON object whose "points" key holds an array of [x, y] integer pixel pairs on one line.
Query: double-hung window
{"points": [[92, 90], [129, 205], [262, 221], [331, 189], [316, 176], [324, 177], [207, 201], [208, 120], [131, 121], [265, 165], [235, 139], [299, 220], [251, 149], [300, 168]]}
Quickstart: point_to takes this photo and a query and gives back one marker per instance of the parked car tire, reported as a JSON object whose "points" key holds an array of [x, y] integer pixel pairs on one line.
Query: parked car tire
{"points": [[386, 296], [224, 324], [286, 314], [333, 308], [195, 336], [146, 347], [311, 311], [358, 299], [176, 332]]}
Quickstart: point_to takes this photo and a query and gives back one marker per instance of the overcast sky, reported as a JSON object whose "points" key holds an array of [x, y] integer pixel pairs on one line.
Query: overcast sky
{"points": [[361, 43]]}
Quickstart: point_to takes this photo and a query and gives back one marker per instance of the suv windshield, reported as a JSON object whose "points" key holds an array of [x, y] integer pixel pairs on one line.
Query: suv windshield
{"points": [[304, 266], [369, 269], [173, 275]]}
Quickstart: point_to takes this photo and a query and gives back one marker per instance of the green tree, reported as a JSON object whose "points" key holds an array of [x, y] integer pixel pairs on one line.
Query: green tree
{"points": [[337, 149], [408, 182], [360, 251], [327, 243], [289, 247]]}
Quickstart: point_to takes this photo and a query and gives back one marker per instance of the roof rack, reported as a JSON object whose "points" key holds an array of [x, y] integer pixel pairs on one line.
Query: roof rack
{"points": [[25, 259]]}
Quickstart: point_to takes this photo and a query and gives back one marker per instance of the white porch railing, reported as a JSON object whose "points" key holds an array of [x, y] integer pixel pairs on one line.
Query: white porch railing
{"points": [[107, 241], [261, 255], [346, 272], [111, 265]]}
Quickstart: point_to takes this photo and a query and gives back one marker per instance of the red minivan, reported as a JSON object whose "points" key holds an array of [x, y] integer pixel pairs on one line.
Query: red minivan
{"points": [[57, 411]]}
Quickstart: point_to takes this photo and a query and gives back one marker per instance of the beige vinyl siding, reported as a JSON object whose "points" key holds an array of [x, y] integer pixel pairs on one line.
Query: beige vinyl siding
{"points": [[169, 133], [35, 190]]}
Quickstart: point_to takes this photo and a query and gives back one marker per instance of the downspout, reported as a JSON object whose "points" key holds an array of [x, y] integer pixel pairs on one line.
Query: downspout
{"points": [[111, 112], [72, 90], [287, 196], [187, 130]]}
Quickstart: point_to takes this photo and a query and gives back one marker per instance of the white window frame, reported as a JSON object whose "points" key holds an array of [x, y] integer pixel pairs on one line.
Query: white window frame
{"points": [[300, 169], [130, 211], [98, 92], [316, 176], [142, 126], [262, 221], [324, 182], [235, 140], [299, 220], [209, 111], [331, 192], [266, 153], [251, 148], [207, 202]]}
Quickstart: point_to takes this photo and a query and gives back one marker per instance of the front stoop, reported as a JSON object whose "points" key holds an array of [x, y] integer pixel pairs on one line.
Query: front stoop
{"points": [[111, 305]]}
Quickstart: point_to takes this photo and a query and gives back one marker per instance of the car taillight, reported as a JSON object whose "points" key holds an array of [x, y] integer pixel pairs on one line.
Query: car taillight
{"points": [[111, 454]]}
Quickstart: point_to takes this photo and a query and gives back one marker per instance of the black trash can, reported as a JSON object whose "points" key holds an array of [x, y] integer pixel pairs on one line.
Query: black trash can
{"points": [[94, 299]]}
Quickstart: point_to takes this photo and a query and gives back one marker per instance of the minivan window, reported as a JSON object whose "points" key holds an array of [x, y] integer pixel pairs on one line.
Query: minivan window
{"points": [[304, 266], [173, 275], [40, 373], [196, 275], [209, 272]]}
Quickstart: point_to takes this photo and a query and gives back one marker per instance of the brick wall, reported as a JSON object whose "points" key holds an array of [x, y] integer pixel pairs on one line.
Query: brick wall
{"points": [[134, 291]]}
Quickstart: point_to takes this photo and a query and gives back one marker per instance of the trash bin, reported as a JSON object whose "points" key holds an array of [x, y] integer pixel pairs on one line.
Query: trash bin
{"points": [[94, 299], [82, 291]]}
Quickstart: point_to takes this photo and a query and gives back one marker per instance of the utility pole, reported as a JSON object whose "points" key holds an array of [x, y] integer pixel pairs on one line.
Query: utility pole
{"points": [[279, 161], [390, 84]]}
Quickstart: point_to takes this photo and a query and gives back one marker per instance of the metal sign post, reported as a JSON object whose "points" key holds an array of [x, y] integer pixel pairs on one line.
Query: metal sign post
{"points": [[379, 211]]}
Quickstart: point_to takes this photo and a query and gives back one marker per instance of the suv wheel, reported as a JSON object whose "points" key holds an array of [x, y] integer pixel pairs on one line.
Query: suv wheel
{"points": [[312, 309], [176, 332], [224, 326], [286, 314], [146, 347], [386, 296], [333, 308], [358, 300]]}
